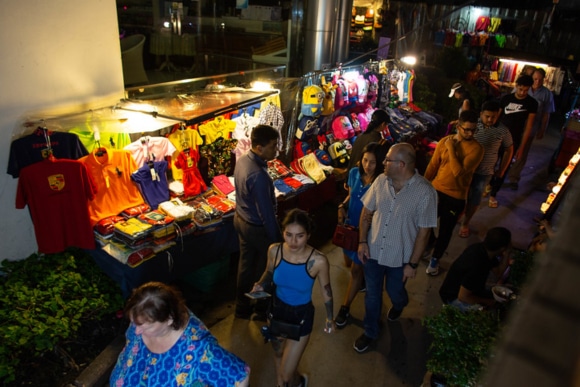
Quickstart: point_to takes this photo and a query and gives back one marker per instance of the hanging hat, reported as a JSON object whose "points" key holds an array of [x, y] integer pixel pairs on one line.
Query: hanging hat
{"points": [[454, 88]]}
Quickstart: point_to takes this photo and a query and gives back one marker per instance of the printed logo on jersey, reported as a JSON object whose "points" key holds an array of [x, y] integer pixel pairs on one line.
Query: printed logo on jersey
{"points": [[56, 182], [514, 108]]}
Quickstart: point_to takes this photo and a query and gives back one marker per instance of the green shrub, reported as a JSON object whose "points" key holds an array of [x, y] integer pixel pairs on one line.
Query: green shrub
{"points": [[521, 267], [44, 300], [461, 344]]}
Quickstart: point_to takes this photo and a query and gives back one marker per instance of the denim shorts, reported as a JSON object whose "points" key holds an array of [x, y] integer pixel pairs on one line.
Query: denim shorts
{"points": [[294, 314], [478, 183], [353, 255]]}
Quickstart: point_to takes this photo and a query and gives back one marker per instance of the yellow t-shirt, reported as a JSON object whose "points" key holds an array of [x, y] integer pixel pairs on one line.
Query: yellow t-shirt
{"points": [[220, 127]]}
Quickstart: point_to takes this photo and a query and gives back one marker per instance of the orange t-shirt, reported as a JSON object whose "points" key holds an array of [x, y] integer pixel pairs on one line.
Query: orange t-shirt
{"points": [[115, 189]]}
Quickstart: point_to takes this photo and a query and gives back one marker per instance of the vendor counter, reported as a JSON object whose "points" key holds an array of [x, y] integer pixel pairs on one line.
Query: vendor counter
{"points": [[195, 251], [189, 254]]}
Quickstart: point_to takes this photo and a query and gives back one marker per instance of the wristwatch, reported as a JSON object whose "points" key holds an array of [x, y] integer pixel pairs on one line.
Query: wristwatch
{"points": [[413, 265]]}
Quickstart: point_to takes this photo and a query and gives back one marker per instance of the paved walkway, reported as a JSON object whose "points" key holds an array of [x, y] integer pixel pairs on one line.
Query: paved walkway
{"points": [[400, 354]]}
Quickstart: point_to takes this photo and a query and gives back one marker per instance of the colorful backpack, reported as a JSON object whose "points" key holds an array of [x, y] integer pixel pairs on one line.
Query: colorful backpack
{"points": [[329, 97], [342, 128], [312, 98], [338, 154], [307, 127]]}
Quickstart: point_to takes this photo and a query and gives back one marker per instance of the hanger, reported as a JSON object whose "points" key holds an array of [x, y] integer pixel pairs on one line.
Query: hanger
{"points": [[46, 152], [100, 151]]}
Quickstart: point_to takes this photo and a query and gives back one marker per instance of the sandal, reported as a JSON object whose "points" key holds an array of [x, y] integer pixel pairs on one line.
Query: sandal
{"points": [[487, 191], [464, 232], [492, 202]]}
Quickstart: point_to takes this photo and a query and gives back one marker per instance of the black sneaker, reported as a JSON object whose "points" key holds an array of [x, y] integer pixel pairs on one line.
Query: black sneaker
{"points": [[303, 381], [362, 343], [342, 317], [394, 314]]}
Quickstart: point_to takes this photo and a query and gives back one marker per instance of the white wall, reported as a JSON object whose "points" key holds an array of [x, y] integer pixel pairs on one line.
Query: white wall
{"points": [[55, 54]]}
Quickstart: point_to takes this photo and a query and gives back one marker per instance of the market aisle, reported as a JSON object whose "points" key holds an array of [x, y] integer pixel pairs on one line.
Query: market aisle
{"points": [[400, 355]]}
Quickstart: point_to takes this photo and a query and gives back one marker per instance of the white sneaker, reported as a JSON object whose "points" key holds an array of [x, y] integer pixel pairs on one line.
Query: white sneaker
{"points": [[433, 268]]}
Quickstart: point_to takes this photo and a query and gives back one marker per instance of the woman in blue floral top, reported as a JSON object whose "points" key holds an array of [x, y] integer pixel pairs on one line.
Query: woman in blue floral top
{"points": [[167, 345]]}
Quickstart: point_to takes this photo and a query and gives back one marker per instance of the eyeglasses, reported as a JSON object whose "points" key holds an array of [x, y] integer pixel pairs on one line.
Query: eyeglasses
{"points": [[393, 161], [472, 130]]}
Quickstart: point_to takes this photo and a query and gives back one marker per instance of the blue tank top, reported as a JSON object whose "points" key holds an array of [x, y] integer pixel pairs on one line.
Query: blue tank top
{"points": [[293, 282]]}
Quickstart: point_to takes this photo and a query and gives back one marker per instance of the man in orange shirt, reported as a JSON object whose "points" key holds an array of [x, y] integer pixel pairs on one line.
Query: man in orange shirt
{"points": [[450, 171]]}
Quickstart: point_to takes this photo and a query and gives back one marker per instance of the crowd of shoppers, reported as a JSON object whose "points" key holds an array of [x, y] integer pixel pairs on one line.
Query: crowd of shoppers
{"points": [[396, 210]]}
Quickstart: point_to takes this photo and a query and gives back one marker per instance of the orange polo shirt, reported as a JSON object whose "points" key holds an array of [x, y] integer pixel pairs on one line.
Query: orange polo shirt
{"points": [[454, 178], [115, 189]]}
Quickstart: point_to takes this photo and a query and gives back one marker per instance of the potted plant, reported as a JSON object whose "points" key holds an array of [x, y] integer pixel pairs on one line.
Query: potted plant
{"points": [[461, 345]]}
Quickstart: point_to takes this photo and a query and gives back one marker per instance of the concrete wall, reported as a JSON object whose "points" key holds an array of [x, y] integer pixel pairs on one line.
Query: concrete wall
{"points": [[57, 54]]}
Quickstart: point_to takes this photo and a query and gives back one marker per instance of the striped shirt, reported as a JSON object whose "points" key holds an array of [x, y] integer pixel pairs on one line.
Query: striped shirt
{"points": [[491, 138], [398, 217]]}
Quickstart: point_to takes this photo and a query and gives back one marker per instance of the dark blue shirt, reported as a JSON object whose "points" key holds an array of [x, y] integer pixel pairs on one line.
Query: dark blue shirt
{"points": [[255, 198]]}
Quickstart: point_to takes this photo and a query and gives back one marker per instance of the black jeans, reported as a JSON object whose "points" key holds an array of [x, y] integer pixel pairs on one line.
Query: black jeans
{"points": [[254, 245], [448, 210]]}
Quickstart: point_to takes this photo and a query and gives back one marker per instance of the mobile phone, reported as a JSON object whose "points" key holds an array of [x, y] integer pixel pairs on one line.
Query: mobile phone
{"points": [[258, 295]]}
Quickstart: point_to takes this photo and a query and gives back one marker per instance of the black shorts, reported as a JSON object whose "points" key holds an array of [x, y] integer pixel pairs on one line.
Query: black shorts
{"points": [[294, 314]]}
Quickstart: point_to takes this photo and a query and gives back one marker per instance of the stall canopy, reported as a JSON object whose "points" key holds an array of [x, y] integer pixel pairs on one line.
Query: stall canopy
{"points": [[155, 107]]}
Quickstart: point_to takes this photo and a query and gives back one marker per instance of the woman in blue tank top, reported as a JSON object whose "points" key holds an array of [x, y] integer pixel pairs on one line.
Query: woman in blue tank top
{"points": [[293, 266]]}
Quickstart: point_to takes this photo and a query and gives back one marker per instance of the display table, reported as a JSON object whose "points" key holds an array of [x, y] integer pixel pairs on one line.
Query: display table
{"points": [[194, 252], [198, 250]]}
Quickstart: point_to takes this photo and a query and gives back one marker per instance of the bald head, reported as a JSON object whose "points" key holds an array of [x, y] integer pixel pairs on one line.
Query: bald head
{"points": [[406, 153]]}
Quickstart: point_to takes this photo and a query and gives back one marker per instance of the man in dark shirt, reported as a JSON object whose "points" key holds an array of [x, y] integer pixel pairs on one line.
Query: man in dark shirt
{"points": [[255, 218], [464, 285], [518, 114]]}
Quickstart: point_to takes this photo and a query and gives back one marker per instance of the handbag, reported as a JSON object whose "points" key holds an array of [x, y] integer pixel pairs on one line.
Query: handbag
{"points": [[346, 236]]}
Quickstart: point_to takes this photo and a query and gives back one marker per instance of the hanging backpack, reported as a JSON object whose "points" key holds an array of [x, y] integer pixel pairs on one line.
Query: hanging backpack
{"points": [[312, 98], [342, 128]]}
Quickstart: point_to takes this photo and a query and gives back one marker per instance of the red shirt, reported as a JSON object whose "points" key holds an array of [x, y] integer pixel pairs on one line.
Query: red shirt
{"points": [[57, 194]]}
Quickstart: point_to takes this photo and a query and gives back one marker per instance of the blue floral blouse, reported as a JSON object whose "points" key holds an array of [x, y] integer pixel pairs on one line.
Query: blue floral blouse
{"points": [[196, 359]]}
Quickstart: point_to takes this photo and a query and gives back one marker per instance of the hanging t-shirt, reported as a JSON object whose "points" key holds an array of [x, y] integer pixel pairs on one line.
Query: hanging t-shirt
{"points": [[181, 139], [57, 194], [244, 125], [193, 183], [150, 148], [115, 189], [494, 24], [108, 140], [500, 40], [31, 149], [220, 127], [152, 182], [458, 39], [482, 23]]}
